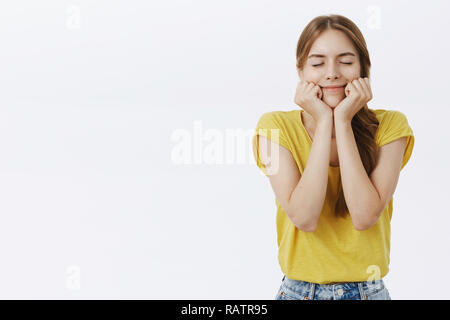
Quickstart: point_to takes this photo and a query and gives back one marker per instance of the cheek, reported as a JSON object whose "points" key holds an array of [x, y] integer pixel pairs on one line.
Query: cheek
{"points": [[355, 73], [311, 75], [351, 75]]}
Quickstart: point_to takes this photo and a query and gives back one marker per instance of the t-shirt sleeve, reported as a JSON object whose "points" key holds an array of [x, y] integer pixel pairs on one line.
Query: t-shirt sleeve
{"points": [[395, 127], [270, 125]]}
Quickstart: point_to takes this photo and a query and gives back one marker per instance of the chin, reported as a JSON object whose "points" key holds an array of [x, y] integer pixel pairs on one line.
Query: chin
{"points": [[333, 102]]}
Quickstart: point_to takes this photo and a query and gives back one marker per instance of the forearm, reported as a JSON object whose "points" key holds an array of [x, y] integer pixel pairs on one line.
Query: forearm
{"points": [[359, 192], [307, 199]]}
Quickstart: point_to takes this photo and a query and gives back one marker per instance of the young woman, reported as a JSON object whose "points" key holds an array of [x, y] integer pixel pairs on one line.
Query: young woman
{"points": [[333, 165]]}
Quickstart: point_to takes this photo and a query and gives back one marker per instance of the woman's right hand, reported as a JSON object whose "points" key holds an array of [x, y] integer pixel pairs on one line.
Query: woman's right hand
{"points": [[308, 96]]}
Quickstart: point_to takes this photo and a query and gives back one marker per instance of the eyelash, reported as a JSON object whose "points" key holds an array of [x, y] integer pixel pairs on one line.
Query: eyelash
{"points": [[316, 65]]}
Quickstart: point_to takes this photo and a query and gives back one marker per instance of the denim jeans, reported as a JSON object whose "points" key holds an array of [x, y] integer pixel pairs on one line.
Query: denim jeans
{"points": [[301, 290]]}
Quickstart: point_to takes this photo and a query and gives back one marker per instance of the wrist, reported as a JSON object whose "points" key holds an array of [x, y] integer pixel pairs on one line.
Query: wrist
{"points": [[325, 120], [340, 118]]}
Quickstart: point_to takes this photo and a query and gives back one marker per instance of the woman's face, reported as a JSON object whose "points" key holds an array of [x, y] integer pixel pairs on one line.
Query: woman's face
{"points": [[326, 66]]}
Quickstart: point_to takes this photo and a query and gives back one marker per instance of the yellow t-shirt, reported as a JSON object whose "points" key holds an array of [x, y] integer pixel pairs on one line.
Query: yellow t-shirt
{"points": [[335, 251]]}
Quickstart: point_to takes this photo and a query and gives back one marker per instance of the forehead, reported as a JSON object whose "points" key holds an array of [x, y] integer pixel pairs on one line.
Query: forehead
{"points": [[332, 43]]}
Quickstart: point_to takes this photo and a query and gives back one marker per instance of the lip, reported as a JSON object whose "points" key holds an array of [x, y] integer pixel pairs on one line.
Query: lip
{"points": [[333, 87]]}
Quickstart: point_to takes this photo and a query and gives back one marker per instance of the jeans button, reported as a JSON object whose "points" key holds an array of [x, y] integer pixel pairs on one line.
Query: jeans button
{"points": [[340, 292]]}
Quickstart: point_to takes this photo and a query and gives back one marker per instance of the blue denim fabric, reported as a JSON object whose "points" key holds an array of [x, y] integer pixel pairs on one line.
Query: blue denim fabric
{"points": [[301, 290]]}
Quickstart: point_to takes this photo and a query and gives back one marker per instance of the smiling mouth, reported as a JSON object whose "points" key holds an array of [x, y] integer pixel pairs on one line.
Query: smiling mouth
{"points": [[336, 89], [332, 87]]}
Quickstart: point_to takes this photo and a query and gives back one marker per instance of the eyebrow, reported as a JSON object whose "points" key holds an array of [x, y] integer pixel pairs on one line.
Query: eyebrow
{"points": [[339, 55]]}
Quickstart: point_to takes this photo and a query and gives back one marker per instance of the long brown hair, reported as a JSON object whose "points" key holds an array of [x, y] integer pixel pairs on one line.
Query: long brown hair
{"points": [[364, 123]]}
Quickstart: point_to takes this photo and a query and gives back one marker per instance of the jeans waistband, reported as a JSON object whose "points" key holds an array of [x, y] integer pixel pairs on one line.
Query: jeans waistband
{"points": [[357, 284]]}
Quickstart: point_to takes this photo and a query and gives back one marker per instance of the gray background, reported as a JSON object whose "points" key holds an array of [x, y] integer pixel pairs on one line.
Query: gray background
{"points": [[93, 202]]}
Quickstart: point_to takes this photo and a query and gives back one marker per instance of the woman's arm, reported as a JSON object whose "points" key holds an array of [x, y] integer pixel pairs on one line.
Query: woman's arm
{"points": [[362, 197], [301, 196]]}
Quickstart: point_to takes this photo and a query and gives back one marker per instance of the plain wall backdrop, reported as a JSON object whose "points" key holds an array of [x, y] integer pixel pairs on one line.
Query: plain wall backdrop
{"points": [[115, 115]]}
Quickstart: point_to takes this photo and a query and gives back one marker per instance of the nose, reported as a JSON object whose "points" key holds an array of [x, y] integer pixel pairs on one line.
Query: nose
{"points": [[332, 77], [332, 72]]}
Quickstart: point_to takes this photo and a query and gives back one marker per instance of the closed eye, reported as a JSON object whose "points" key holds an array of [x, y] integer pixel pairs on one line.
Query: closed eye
{"points": [[316, 65]]}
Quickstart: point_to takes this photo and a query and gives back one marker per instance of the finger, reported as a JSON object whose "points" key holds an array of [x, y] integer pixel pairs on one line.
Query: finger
{"points": [[310, 86], [369, 88], [363, 86], [349, 88], [367, 80], [318, 91], [303, 83], [358, 87], [366, 88]]}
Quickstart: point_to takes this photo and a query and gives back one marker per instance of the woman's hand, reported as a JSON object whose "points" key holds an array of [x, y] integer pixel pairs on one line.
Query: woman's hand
{"points": [[308, 96], [358, 93]]}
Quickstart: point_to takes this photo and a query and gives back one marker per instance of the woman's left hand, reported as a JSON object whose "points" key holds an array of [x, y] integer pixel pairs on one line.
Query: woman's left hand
{"points": [[358, 93]]}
